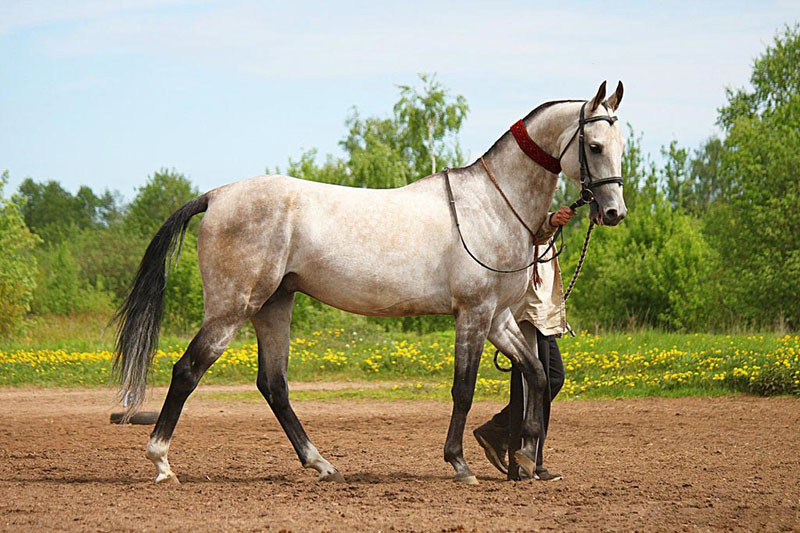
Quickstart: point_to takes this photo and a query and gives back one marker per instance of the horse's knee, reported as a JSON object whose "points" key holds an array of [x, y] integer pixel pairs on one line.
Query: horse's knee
{"points": [[462, 395]]}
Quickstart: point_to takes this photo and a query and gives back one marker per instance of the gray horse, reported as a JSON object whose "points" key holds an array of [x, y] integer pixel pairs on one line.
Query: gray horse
{"points": [[393, 252]]}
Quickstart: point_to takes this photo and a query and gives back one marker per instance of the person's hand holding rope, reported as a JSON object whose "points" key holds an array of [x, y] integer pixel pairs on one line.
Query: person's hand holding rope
{"points": [[562, 216]]}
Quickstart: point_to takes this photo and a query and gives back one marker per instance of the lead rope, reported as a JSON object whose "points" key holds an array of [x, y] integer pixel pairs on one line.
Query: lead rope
{"points": [[567, 293]]}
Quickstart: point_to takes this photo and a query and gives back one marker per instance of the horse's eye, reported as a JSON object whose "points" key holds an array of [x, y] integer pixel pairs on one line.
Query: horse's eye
{"points": [[596, 148]]}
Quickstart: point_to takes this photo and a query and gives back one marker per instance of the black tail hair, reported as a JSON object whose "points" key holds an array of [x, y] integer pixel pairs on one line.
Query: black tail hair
{"points": [[139, 317]]}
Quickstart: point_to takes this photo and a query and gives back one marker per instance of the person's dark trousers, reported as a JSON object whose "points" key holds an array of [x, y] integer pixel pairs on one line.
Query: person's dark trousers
{"points": [[550, 356]]}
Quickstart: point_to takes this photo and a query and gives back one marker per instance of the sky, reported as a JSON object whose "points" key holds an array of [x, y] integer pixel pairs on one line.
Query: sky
{"points": [[105, 93]]}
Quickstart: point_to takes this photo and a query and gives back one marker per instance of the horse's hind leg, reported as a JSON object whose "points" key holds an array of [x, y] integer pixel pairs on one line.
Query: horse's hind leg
{"points": [[272, 324], [205, 348]]}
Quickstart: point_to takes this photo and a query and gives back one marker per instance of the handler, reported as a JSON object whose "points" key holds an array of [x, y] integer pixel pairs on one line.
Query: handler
{"points": [[541, 316]]}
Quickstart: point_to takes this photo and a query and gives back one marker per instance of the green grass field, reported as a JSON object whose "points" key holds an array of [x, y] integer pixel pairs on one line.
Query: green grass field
{"points": [[648, 363]]}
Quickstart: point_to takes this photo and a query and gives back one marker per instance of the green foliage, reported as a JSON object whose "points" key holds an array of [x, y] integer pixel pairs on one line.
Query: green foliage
{"points": [[425, 118], [17, 263], [757, 230], [395, 151], [331, 171], [755, 226], [775, 80], [183, 301], [54, 213], [655, 269], [63, 288], [108, 257], [162, 194], [375, 155]]}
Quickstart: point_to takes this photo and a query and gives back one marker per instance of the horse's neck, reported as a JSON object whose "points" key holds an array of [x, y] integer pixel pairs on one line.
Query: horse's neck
{"points": [[528, 186]]}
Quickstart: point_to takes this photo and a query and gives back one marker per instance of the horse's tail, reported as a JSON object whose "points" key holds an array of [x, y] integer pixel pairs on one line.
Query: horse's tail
{"points": [[139, 317]]}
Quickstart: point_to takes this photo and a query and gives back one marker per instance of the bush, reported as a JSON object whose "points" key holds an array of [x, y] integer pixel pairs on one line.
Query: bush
{"points": [[654, 269], [17, 264], [63, 288]]}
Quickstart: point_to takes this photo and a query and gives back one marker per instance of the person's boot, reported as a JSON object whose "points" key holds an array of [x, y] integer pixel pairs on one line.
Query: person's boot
{"points": [[543, 475], [494, 441]]}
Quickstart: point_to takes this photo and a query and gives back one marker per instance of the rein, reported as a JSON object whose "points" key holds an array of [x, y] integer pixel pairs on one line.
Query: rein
{"points": [[452, 201]]}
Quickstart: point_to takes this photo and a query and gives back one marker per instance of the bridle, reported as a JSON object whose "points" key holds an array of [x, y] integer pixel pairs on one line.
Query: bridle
{"points": [[588, 182], [553, 165]]}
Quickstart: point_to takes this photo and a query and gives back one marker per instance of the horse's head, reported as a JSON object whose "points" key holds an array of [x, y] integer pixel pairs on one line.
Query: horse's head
{"points": [[591, 156]]}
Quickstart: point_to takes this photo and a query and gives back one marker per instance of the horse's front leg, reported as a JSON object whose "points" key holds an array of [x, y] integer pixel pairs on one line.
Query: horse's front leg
{"points": [[472, 327], [506, 335]]}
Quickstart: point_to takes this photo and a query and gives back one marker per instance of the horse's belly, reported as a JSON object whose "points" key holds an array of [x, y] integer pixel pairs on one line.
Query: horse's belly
{"points": [[376, 289]]}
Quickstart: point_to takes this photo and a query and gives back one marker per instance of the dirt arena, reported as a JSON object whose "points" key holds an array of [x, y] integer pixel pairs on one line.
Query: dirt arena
{"points": [[649, 464]]}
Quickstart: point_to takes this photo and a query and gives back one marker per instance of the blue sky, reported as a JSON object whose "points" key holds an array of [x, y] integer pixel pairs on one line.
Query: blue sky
{"points": [[105, 93]]}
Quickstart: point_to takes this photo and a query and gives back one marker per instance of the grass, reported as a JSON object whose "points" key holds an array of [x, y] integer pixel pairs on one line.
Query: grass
{"points": [[646, 363]]}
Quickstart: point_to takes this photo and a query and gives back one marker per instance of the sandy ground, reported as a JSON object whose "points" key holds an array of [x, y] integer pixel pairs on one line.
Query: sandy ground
{"points": [[649, 464]]}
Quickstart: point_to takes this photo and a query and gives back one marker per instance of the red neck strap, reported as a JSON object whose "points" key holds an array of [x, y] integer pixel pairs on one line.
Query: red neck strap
{"points": [[526, 144]]}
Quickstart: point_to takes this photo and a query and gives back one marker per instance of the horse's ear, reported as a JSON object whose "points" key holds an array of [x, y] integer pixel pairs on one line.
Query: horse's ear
{"points": [[615, 99], [599, 97]]}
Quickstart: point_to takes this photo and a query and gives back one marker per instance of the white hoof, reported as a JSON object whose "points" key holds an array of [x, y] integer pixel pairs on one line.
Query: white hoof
{"points": [[467, 480], [334, 476], [168, 478]]}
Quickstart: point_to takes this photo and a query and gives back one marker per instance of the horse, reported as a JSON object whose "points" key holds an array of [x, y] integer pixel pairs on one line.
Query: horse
{"points": [[376, 252]]}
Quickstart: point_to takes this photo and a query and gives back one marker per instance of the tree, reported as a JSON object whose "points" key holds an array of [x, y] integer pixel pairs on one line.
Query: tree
{"points": [[426, 117], [775, 80], [692, 180], [397, 150], [163, 193], [17, 262], [375, 154], [757, 228], [53, 213]]}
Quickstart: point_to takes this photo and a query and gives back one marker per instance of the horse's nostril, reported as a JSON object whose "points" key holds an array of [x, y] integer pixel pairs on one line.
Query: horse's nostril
{"points": [[611, 214]]}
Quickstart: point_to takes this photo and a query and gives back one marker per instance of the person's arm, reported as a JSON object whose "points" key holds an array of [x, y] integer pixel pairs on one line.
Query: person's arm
{"points": [[551, 224]]}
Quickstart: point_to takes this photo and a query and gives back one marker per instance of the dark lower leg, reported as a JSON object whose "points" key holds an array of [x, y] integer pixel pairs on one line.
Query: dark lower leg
{"points": [[470, 336], [276, 391], [186, 374], [462, 402]]}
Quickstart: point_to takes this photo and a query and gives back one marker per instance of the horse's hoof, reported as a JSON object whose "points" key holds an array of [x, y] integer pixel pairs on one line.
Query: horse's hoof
{"points": [[334, 476], [467, 480], [167, 479], [526, 463]]}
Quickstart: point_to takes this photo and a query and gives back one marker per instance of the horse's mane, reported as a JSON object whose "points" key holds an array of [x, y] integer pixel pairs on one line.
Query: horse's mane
{"points": [[529, 116]]}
